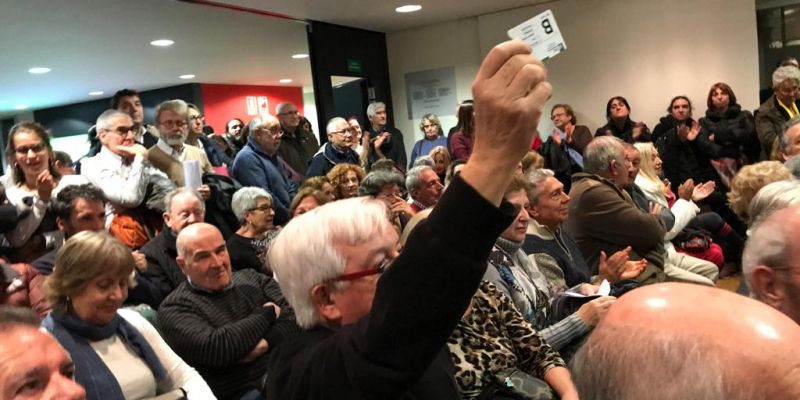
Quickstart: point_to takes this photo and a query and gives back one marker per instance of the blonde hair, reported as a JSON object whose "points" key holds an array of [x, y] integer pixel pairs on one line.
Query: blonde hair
{"points": [[83, 257], [532, 161], [750, 180], [647, 168], [440, 150]]}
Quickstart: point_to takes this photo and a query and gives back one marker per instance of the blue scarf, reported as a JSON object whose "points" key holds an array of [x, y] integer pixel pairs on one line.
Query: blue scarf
{"points": [[90, 371]]}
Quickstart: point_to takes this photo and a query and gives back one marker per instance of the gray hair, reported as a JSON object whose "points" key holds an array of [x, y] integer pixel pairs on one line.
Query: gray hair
{"points": [[333, 123], [599, 153], [601, 369], [282, 106], [303, 254], [769, 244], [245, 200], [177, 106], [783, 73], [535, 179], [424, 160], [265, 122], [773, 197], [373, 107], [374, 182], [104, 120], [412, 177], [783, 143], [794, 166], [179, 192]]}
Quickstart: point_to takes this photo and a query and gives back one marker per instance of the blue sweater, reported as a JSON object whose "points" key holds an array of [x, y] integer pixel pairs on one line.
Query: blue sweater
{"points": [[253, 167], [424, 146]]}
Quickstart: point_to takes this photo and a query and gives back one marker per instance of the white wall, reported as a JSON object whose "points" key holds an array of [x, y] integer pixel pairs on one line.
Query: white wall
{"points": [[647, 51]]}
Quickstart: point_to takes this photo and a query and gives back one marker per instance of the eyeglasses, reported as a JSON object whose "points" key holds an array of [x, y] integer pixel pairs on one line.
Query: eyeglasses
{"points": [[266, 208], [379, 269], [344, 131], [294, 112], [196, 117], [274, 131], [122, 130], [169, 124], [556, 115], [36, 148]]}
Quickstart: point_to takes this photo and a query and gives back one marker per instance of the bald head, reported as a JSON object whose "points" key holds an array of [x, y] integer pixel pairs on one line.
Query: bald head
{"points": [[769, 261], [192, 234], [682, 341], [203, 256]]}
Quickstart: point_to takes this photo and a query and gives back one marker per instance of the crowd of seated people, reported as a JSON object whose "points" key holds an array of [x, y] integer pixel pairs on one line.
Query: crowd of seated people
{"points": [[477, 268]]}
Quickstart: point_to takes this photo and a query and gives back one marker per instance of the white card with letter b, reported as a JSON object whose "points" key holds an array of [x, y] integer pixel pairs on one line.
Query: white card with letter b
{"points": [[542, 34]]}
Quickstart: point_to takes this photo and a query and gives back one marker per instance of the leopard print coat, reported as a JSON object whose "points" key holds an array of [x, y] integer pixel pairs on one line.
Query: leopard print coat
{"points": [[493, 336]]}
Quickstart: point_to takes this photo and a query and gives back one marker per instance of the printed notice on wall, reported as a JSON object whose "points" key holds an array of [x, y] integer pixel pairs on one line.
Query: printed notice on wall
{"points": [[431, 91]]}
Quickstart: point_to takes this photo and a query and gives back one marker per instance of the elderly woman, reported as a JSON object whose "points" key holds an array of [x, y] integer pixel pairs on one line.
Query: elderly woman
{"points": [[306, 200], [432, 137], [441, 159], [345, 178], [778, 109], [620, 124], [117, 353], [247, 246], [385, 186], [729, 126], [773, 197], [33, 180], [750, 180]]}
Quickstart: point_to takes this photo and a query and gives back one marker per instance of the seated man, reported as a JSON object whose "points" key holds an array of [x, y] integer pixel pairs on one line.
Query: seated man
{"points": [[371, 335], [338, 150], [258, 164], [224, 324], [778, 109], [170, 152], [130, 184], [770, 263], [183, 207], [424, 187], [789, 143], [35, 366], [603, 217], [737, 348], [81, 208]]}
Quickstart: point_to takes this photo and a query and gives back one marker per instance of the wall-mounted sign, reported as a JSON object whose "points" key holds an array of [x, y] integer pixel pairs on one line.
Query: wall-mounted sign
{"points": [[263, 105], [431, 91], [252, 105], [354, 65]]}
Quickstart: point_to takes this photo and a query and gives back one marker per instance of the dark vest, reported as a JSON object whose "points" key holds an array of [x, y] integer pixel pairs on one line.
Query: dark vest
{"points": [[571, 261]]}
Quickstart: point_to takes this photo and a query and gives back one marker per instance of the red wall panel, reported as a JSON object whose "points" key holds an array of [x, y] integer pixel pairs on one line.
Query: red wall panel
{"points": [[223, 102]]}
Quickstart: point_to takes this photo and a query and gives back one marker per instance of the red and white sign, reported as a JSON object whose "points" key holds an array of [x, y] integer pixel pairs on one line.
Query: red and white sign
{"points": [[252, 105], [263, 106]]}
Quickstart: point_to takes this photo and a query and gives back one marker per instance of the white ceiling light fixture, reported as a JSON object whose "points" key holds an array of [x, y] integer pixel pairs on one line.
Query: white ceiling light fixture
{"points": [[299, 56], [20, 106], [187, 76], [408, 8], [38, 70], [162, 42], [96, 93], [285, 80]]}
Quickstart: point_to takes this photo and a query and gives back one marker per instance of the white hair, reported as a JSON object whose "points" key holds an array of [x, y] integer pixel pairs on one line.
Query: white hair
{"points": [[267, 121], [535, 179], [305, 253], [424, 160], [783, 73], [769, 244], [282, 106], [773, 197], [104, 120], [177, 106], [372, 108], [412, 176], [334, 122], [599, 153], [245, 200]]}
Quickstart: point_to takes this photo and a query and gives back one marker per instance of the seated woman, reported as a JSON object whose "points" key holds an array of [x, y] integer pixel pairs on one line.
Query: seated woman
{"points": [[563, 150], [519, 278], [34, 181], [750, 180], [306, 200], [441, 159], [731, 127], [320, 183], [117, 353], [687, 152], [454, 168], [464, 138], [247, 246], [620, 124], [345, 179], [686, 212], [432, 136], [385, 186]]}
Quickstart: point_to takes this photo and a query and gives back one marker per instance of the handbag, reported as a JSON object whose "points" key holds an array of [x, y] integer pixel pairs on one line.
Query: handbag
{"points": [[511, 383]]}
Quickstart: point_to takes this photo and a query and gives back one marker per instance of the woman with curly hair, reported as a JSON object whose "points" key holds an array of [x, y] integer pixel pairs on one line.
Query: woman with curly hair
{"points": [[345, 178]]}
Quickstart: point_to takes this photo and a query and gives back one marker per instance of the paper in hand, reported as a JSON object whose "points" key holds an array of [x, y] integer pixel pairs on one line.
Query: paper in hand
{"points": [[542, 34], [191, 174]]}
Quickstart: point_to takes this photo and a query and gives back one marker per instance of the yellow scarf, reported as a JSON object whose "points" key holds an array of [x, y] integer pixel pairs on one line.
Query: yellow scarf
{"points": [[793, 112]]}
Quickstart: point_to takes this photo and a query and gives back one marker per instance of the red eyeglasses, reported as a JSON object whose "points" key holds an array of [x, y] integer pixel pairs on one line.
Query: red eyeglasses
{"points": [[361, 274]]}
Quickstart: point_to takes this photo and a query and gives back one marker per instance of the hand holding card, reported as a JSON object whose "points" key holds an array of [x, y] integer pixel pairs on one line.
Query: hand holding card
{"points": [[542, 34]]}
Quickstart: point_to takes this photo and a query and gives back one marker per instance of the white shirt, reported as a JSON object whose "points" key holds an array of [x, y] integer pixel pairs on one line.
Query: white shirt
{"points": [[179, 155]]}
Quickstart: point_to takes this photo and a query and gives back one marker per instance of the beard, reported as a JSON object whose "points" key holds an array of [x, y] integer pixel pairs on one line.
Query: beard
{"points": [[175, 140]]}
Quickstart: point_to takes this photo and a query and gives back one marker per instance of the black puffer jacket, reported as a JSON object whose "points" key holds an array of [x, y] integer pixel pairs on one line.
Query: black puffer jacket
{"points": [[625, 132], [734, 130]]}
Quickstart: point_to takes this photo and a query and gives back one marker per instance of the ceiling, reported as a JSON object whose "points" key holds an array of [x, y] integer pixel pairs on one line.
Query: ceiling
{"points": [[103, 45]]}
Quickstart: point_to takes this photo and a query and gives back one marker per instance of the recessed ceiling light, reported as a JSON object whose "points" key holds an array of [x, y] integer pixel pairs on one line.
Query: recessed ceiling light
{"points": [[187, 76], [299, 56], [96, 93], [20, 106], [162, 42], [285, 81], [408, 8], [39, 70]]}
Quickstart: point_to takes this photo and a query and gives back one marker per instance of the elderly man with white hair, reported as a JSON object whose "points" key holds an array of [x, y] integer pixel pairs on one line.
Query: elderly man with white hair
{"points": [[376, 321], [424, 187], [259, 164], [338, 149], [778, 109]]}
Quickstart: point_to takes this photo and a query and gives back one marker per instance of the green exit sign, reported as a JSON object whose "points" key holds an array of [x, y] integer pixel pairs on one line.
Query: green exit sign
{"points": [[354, 65]]}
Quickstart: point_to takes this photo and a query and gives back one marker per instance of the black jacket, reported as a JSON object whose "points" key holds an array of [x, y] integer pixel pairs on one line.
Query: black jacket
{"points": [[390, 353], [734, 130], [394, 148], [626, 132], [162, 269]]}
